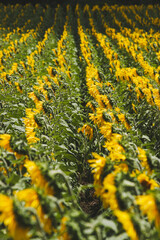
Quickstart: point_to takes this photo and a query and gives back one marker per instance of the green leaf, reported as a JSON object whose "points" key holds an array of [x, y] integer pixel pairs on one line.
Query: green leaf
{"points": [[4, 235], [19, 128], [122, 236], [145, 137], [13, 179], [109, 224]]}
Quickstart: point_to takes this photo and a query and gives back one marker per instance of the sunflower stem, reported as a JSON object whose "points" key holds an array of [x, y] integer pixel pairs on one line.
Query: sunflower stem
{"points": [[6, 166], [33, 212]]}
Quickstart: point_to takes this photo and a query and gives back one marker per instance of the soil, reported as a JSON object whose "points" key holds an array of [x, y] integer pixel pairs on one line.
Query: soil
{"points": [[89, 203]]}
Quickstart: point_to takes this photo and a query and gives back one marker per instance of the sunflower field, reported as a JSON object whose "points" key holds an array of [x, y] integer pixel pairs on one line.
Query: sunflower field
{"points": [[79, 122]]}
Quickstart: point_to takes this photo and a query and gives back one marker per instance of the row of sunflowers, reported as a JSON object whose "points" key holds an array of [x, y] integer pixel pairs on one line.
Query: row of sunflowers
{"points": [[79, 122]]}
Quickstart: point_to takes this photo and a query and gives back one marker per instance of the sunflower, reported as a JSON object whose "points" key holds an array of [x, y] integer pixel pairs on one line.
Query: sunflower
{"points": [[7, 216]]}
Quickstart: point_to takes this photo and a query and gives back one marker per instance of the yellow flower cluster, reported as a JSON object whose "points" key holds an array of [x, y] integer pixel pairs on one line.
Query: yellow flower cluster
{"points": [[31, 199], [106, 189], [125, 219], [31, 125], [87, 130], [143, 158], [29, 196], [7, 216], [29, 120], [63, 234], [98, 164], [149, 207], [142, 84], [62, 66], [37, 177], [5, 143], [105, 114], [139, 36], [105, 186]]}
